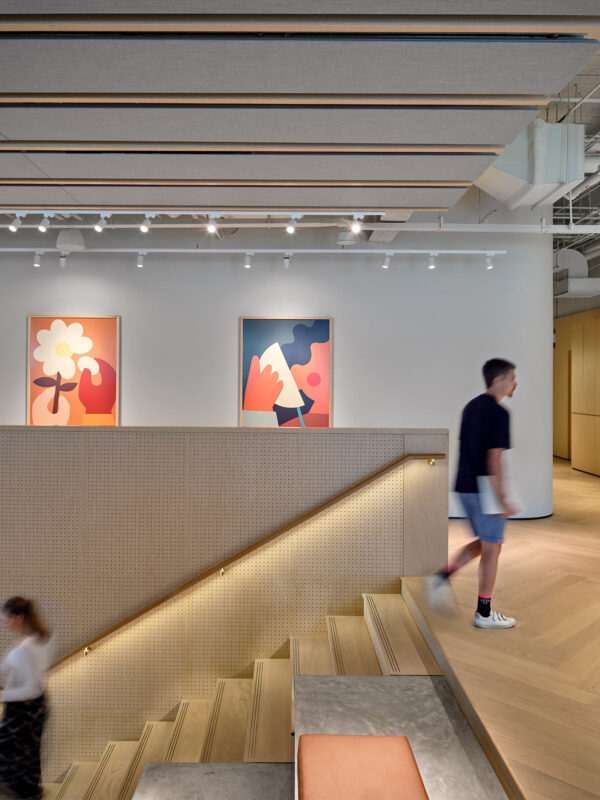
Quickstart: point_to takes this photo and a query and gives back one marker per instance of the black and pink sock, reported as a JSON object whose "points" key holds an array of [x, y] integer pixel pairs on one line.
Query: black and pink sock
{"points": [[484, 605]]}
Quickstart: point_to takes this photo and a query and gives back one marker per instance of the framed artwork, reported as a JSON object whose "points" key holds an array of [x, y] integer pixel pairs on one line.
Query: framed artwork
{"points": [[73, 370], [285, 372]]}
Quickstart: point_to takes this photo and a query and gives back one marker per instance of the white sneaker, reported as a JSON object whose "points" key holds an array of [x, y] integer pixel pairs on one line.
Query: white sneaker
{"points": [[439, 593], [495, 620]]}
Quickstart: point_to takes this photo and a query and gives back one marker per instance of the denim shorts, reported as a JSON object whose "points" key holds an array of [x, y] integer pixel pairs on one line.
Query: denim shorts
{"points": [[487, 527]]}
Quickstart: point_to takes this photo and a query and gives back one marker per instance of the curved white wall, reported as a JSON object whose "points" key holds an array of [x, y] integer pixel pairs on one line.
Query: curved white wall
{"points": [[408, 343]]}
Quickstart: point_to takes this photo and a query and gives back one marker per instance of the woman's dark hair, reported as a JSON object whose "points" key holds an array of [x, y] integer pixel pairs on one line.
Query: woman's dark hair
{"points": [[16, 606], [494, 368]]}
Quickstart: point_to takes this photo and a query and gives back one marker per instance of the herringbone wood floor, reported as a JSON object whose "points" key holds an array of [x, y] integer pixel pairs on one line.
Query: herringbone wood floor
{"points": [[537, 687]]}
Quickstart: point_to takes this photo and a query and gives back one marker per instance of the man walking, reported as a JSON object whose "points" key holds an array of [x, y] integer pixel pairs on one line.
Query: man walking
{"points": [[484, 435]]}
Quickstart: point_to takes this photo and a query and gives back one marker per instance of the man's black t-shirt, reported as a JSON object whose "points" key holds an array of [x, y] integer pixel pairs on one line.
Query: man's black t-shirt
{"points": [[484, 426]]}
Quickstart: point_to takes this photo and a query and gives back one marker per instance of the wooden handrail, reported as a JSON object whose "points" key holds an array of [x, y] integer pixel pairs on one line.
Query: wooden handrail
{"points": [[306, 515]]}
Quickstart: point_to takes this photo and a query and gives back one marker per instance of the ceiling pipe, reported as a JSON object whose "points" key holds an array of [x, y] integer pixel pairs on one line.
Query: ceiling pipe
{"points": [[586, 185], [579, 102]]}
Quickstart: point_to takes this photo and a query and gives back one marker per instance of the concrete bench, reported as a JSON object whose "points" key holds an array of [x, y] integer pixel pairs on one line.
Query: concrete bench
{"points": [[357, 768]]}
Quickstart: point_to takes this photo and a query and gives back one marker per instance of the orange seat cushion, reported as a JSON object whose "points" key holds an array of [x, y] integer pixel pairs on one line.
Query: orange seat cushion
{"points": [[357, 768]]}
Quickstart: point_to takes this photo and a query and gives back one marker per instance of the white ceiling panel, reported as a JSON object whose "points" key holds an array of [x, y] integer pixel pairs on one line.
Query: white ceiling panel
{"points": [[478, 7], [250, 166], [35, 196], [15, 165], [310, 125], [293, 66], [221, 197]]}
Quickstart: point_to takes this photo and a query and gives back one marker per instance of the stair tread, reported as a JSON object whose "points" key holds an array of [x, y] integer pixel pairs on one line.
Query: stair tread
{"points": [[152, 746], [310, 655], [268, 736], [189, 731], [226, 732], [109, 775], [76, 780], [51, 790], [398, 642], [352, 650]]}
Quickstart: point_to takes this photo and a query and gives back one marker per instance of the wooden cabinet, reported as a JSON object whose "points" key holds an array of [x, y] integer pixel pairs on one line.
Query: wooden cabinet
{"points": [[577, 351]]}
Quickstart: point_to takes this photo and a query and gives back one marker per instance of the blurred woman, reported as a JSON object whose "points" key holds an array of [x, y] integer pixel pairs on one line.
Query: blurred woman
{"points": [[22, 691]]}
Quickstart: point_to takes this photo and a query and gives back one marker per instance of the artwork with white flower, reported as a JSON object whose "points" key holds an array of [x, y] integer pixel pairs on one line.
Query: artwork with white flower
{"points": [[73, 370]]}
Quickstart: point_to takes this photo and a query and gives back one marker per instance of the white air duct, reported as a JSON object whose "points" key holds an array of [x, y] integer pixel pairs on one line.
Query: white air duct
{"points": [[579, 284], [543, 163]]}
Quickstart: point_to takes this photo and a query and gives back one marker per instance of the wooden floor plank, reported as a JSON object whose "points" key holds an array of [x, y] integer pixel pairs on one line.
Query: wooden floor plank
{"points": [[536, 687]]}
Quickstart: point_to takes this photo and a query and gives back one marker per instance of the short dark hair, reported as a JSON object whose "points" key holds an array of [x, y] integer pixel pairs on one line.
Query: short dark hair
{"points": [[494, 368]]}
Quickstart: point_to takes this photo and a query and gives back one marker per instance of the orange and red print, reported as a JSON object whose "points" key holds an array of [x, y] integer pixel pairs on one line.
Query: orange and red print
{"points": [[73, 371], [285, 372]]}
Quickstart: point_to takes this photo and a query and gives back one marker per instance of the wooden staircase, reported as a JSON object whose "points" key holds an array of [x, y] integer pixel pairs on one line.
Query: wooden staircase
{"points": [[251, 720]]}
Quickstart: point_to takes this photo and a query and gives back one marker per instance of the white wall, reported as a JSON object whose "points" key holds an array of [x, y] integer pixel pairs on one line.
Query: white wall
{"points": [[408, 343]]}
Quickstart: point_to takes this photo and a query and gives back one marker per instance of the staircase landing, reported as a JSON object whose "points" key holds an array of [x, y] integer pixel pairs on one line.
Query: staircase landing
{"points": [[217, 781]]}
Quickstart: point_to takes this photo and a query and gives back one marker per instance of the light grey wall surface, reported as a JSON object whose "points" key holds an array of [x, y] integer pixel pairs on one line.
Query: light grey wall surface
{"points": [[408, 343]]}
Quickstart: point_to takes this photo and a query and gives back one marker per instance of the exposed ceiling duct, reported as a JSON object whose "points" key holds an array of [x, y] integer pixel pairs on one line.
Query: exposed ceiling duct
{"points": [[544, 162]]}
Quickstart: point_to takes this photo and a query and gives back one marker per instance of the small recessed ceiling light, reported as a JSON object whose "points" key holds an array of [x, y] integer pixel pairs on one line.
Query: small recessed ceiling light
{"points": [[15, 224], [211, 225], [37, 260], [386, 263], [488, 262], [99, 226], [248, 261], [44, 225], [431, 261], [140, 260], [145, 226], [356, 227]]}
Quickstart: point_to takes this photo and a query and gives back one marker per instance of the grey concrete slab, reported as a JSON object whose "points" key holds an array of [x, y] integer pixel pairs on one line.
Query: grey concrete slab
{"points": [[216, 781], [452, 764]]}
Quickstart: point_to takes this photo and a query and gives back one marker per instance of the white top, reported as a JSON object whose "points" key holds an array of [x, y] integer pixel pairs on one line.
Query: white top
{"points": [[24, 670]]}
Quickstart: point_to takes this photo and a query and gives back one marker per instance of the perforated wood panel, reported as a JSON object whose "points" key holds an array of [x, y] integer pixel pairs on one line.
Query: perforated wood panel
{"points": [[107, 522]]}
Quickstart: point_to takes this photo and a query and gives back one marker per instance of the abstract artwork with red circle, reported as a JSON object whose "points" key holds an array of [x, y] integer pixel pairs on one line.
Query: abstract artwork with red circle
{"points": [[285, 372]]}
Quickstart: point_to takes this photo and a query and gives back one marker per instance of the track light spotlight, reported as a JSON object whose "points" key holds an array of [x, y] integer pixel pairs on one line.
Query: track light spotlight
{"points": [[356, 227], [99, 226], [488, 262], [286, 260], [248, 261], [44, 225], [37, 260], [386, 262], [62, 260], [140, 260], [211, 225], [431, 261], [15, 224], [145, 226]]}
